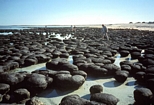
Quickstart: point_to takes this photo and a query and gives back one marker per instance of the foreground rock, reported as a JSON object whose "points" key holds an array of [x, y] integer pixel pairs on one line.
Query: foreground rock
{"points": [[73, 100], [93, 69], [21, 94], [96, 89], [15, 80], [121, 76], [104, 98], [61, 64], [67, 81], [34, 101], [143, 96], [111, 68], [4, 88], [37, 82]]}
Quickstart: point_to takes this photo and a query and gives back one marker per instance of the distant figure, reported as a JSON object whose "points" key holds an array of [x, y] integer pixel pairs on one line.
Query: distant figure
{"points": [[74, 29], [71, 28], [104, 32]]}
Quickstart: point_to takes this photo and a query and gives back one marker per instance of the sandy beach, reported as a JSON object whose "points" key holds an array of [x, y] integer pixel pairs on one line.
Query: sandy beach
{"points": [[139, 26]]}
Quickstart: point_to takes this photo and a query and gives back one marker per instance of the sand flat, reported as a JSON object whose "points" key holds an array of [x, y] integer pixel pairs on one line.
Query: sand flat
{"points": [[122, 91], [139, 26]]}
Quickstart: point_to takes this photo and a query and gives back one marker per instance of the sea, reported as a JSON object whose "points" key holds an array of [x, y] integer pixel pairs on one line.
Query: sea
{"points": [[19, 27], [22, 27]]}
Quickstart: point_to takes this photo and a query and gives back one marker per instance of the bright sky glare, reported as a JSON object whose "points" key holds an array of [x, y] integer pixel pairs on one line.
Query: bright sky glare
{"points": [[71, 12]]}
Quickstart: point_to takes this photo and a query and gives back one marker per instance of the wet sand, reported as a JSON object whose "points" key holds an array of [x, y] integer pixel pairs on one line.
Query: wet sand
{"points": [[122, 91]]}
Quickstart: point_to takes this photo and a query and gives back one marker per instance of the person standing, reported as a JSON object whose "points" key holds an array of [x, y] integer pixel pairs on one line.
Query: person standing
{"points": [[74, 29], [71, 28], [104, 32]]}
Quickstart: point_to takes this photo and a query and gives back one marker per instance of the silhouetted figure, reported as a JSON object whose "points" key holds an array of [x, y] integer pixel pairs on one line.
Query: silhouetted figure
{"points": [[104, 32]]}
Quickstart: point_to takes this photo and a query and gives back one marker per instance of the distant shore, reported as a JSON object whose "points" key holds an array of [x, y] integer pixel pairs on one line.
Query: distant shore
{"points": [[139, 26]]}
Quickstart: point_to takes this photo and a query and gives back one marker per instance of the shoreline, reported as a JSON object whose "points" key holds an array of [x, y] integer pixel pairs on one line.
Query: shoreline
{"points": [[139, 26]]}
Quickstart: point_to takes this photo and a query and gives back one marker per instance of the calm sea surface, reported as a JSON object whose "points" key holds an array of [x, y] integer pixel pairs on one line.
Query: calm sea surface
{"points": [[19, 27]]}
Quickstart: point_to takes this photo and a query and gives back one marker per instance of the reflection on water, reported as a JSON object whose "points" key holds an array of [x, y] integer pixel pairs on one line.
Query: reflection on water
{"points": [[53, 93], [128, 59], [63, 37], [6, 33], [48, 93], [11, 43], [131, 83], [70, 59], [117, 56], [117, 60], [112, 84], [42, 68], [87, 96]]}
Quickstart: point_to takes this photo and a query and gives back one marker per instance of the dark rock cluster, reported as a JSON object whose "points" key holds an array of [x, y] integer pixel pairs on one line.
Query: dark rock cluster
{"points": [[96, 98], [91, 56]]}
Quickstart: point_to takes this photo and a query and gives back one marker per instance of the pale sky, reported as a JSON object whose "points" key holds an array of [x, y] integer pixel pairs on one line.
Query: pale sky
{"points": [[73, 12]]}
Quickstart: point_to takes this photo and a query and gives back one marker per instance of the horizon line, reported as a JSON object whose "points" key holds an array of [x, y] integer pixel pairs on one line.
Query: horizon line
{"points": [[71, 24]]}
